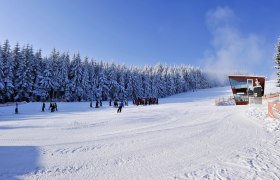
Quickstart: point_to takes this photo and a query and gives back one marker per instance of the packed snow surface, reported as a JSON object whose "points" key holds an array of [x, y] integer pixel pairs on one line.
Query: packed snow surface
{"points": [[184, 137]]}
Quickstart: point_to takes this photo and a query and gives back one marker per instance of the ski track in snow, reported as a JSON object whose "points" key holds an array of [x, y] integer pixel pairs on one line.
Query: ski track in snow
{"points": [[184, 137]]}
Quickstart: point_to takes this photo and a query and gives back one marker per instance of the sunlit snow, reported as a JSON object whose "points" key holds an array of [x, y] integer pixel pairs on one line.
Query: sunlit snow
{"points": [[184, 137]]}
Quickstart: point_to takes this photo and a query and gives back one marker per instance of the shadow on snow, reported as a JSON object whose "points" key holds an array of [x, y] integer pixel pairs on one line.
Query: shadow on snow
{"points": [[16, 161]]}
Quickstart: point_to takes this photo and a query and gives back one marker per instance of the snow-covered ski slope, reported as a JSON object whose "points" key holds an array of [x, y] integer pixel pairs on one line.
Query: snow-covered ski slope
{"points": [[184, 137]]}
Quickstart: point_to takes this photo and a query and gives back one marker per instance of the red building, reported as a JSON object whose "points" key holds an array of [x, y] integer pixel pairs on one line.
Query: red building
{"points": [[244, 87]]}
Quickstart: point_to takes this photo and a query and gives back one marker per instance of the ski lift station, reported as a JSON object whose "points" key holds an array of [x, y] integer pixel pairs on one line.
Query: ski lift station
{"points": [[243, 87]]}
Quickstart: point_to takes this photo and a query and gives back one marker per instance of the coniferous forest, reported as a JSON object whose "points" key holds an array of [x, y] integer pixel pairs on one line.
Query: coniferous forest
{"points": [[27, 76]]}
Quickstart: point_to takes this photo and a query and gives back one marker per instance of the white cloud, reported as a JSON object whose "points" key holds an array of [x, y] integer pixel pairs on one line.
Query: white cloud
{"points": [[232, 50], [220, 16]]}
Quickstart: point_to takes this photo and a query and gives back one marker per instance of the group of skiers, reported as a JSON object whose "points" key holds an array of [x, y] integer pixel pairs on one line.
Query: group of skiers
{"points": [[52, 107], [145, 101], [97, 104], [117, 104]]}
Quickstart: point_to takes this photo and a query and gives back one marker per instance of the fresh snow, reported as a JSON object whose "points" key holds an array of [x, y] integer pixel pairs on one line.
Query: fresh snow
{"points": [[184, 137]]}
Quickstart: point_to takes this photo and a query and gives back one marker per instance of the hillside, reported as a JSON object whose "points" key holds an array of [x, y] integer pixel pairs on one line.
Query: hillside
{"points": [[184, 137]]}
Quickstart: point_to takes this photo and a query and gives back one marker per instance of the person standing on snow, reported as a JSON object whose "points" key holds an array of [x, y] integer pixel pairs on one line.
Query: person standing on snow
{"points": [[52, 107], [43, 107], [55, 106], [120, 107], [16, 110], [115, 103]]}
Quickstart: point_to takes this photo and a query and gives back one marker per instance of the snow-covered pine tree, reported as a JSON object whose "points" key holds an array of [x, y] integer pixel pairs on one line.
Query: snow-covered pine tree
{"points": [[33, 72], [8, 67], [163, 81], [171, 88], [175, 79], [54, 59], [28, 76], [2, 95], [277, 62], [18, 74], [191, 78], [16, 55], [92, 80], [76, 73], [184, 74], [158, 83], [46, 82], [102, 89], [155, 82], [197, 78], [85, 80], [38, 64], [179, 81], [126, 80], [147, 81], [112, 83], [62, 74], [129, 85], [138, 83], [204, 81], [121, 83]]}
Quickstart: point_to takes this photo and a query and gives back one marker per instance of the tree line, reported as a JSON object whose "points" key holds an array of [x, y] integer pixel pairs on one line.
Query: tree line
{"points": [[26, 76]]}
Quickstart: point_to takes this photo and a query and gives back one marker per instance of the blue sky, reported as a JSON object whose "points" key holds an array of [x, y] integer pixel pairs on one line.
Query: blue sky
{"points": [[217, 35]]}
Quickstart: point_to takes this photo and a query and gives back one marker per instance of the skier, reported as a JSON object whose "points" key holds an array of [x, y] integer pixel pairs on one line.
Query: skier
{"points": [[145, 101], [43, 107], [16, 110], [55, 106], [96, 104], [90, 105], [120, 107], [100, 103], [116, 103], [52, 107], [110, 102]]}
